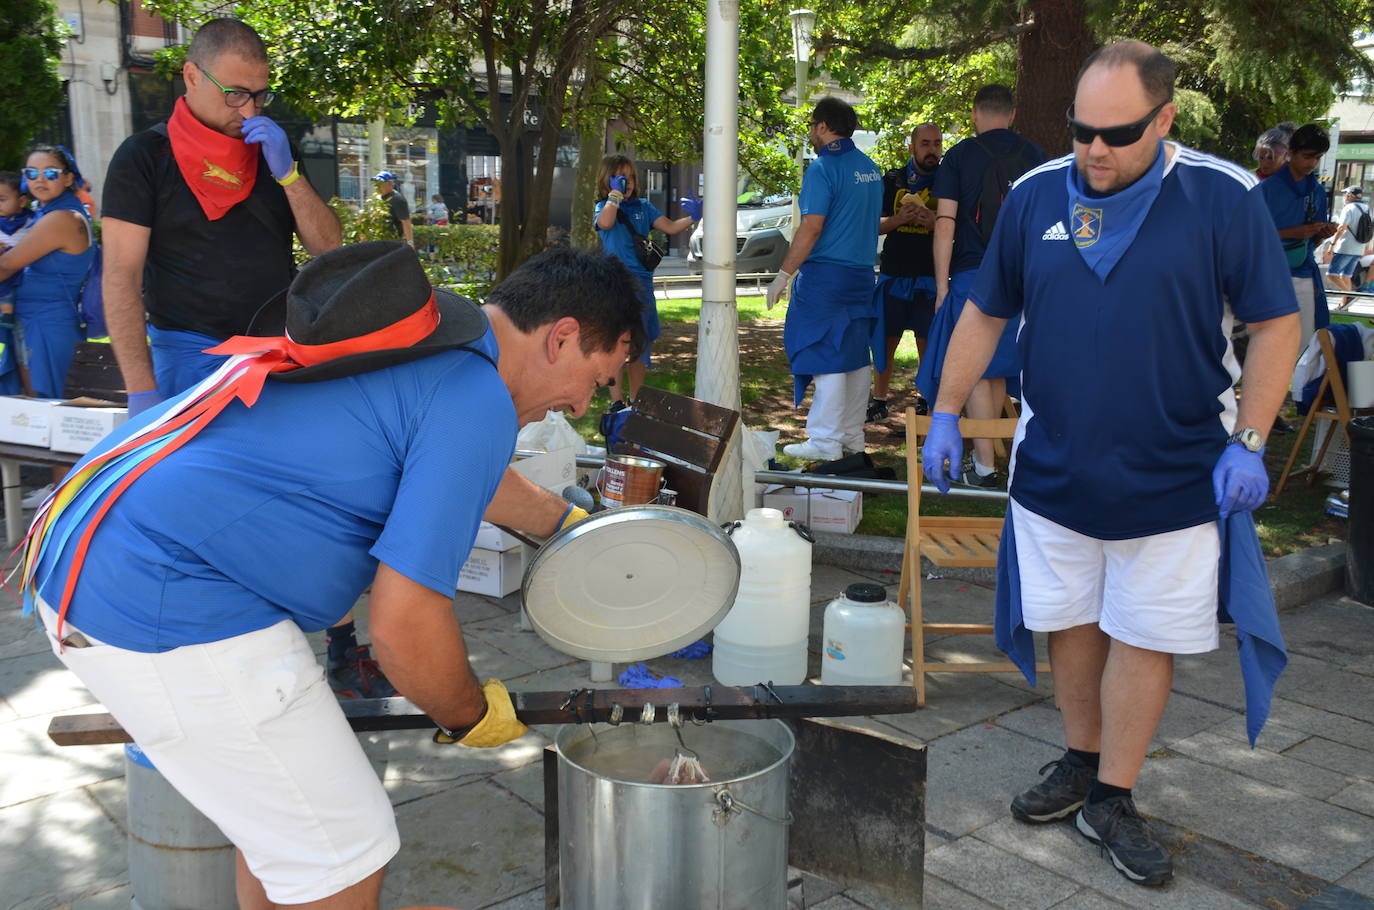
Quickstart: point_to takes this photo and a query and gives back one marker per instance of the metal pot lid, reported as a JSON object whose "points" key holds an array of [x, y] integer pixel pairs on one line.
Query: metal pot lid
{"points": [[631, 583]]}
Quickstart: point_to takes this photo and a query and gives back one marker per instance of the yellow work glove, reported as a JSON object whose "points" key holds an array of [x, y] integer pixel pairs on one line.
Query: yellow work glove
{"points": [[498, 725], [572, 516]]}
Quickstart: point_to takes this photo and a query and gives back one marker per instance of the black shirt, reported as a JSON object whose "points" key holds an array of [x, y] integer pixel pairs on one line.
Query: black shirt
{"points": [[200, 275], [400, 211], [907, 251]]}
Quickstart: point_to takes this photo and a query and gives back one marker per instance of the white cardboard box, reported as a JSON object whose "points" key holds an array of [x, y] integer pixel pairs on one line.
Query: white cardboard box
{"points": [[79, 424], [494, 572], [26, 421], [824, 510]]}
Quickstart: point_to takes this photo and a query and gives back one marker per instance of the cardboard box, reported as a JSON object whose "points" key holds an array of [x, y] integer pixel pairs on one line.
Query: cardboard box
{"points": [[26, 421], [494, 572], [824, 510], [80, 423]]}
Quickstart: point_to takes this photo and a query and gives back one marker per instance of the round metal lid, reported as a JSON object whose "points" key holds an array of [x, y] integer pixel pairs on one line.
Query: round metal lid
{"points": [[631, 583]]}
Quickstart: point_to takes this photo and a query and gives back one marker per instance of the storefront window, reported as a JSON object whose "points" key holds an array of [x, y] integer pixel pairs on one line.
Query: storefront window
{"points": [[484, 189], [411, 153]]}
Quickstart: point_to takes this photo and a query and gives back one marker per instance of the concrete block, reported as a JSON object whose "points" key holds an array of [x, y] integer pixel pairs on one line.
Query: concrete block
{"points": [[1275, 736], [956, 700], [1334, 629], [1306, 575], [1338, 757], [1088, 900], [997, 876], [1322, 722], [974, 773], [1358, 797], [1318, 685], [1361, 881], [1281, 770], [59, 848], [941, 895]]}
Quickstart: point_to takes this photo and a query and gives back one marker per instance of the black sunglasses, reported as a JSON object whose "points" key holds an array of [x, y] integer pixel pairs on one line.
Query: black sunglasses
{"points": [[1115, 136]]}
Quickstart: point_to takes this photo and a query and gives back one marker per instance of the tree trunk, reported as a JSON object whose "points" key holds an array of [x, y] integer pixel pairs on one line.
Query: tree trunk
{"points": [[1047, 64], [591, 147]]}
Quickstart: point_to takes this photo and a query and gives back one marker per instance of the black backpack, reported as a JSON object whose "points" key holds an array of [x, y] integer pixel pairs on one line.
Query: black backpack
{"points": [[1364, 228], [1001, 172]]}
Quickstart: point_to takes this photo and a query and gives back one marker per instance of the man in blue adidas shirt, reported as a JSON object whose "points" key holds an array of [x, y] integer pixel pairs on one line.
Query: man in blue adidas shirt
{"points": [[969, 186], [371, 462], [832, 320], [1125, 265]]}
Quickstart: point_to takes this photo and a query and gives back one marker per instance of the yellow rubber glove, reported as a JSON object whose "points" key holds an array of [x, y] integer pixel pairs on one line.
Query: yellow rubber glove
{"points": [[498, 725], [575, 514]]}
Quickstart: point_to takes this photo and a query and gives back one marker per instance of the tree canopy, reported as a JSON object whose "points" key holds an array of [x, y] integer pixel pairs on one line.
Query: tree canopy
{"points": [[31, 35]]}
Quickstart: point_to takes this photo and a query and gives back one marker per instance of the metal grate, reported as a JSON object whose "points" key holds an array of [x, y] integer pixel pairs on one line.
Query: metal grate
{"points": [[1336, 464]]}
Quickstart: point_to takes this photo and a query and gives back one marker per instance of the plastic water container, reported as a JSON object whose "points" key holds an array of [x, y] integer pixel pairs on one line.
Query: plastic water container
{"points": [[862, 639], [763, 637]]}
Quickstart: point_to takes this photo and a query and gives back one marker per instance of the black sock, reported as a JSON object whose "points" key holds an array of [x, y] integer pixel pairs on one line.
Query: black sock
{"points": [[343, 640], [1090, 759], [1101, 791]]}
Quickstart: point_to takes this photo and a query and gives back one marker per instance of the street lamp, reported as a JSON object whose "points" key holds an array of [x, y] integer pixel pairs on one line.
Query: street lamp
{"points": [[803, 23]]}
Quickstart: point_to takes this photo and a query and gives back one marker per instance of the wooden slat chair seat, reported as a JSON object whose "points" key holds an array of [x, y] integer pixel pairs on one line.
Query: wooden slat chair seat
{"points": [[94, 373], [1338, 411], [953, 541], [688, 435]]}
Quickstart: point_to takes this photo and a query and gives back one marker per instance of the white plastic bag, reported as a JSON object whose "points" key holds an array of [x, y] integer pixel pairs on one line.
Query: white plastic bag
{"points": [[551, 433]]}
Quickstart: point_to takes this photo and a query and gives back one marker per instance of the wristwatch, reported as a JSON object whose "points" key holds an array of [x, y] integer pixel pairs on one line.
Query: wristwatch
{"points": [[1248, 437]]}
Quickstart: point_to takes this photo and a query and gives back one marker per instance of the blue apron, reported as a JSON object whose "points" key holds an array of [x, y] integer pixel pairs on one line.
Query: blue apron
{"points": [[1006, 359], [832, 324]]}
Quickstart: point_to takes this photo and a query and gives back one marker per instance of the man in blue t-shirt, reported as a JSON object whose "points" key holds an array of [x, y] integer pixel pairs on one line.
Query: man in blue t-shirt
{"points": [[1124, 266], [831, 322], [371, 462]]}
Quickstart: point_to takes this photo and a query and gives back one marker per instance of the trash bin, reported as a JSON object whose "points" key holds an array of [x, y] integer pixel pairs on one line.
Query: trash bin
{"points": [[1359, 545]]}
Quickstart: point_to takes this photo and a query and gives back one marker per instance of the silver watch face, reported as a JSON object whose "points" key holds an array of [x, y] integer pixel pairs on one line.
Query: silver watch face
{"points": [[1250, 438]]}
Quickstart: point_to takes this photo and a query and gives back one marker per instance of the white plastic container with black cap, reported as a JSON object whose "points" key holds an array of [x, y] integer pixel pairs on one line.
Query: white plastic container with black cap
{"points": [[862, 639]]}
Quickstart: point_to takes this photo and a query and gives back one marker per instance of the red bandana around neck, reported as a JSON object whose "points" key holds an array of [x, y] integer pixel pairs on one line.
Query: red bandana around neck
{"points": [[219, 169]]}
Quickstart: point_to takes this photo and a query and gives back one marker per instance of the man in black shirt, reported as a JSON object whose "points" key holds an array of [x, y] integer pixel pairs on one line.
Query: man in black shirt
{"points": [[400, 209], [906, 267]]}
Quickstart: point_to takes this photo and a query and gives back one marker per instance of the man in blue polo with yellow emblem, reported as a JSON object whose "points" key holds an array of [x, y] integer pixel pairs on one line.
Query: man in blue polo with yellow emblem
{"points": [[832, 321], [1135, 468]]}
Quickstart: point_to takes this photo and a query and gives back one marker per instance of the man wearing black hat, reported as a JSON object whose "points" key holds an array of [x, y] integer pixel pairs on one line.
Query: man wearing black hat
{"points": [[178, 569]]}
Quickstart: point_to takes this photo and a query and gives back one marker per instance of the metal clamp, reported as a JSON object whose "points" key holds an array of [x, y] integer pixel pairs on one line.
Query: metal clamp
{"points": [[728, 804], [707, 713], [675, 716], [617, 713], [649, 713]]}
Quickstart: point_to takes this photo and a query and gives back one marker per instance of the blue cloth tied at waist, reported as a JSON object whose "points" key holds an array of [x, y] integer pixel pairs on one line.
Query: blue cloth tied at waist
{"points": [[832, 324], [1243, 598]]}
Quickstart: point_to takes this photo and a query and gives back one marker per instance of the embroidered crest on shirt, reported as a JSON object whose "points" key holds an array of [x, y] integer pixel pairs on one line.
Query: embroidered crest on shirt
{"points": [[1055, 232], [1087, 226], [213, 172]]}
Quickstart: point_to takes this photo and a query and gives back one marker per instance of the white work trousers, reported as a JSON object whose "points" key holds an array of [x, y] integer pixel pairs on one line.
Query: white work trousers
{"points": [[838, 408]]}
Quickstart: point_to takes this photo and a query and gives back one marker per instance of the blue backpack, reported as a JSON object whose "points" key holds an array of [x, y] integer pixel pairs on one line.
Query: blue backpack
{"points": [[90, 300]]}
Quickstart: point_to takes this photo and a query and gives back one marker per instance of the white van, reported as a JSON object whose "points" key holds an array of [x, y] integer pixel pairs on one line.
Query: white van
{"points": [[763, 224]]}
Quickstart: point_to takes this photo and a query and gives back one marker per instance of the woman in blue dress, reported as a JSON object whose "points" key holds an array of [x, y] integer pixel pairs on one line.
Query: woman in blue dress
{"points": [[55, 256], [620, 215]]}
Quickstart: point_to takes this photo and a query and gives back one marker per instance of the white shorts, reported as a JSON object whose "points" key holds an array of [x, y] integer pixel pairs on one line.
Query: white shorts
{"points": [[1157, 592], [247, 730]]}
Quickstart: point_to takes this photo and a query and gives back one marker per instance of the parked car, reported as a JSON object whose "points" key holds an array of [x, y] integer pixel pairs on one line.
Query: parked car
{"points": [[763, 224]]}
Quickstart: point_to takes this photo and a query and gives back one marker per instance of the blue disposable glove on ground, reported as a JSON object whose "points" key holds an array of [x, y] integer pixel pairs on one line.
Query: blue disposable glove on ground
{"points": [[276, 148], [692, 206], [942, 444], [142, 401], [619, 183], [1239, 480]]}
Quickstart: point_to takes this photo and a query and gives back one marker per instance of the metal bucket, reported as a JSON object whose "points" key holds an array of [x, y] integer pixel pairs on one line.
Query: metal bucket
{"points": [[626, 844]]}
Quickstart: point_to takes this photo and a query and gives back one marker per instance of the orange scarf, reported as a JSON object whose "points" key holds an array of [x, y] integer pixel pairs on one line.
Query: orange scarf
{"points": [[220, 170]]}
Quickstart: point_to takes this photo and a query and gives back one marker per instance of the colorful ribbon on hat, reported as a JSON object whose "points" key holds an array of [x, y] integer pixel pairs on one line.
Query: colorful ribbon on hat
{"points": [[99, 482]]}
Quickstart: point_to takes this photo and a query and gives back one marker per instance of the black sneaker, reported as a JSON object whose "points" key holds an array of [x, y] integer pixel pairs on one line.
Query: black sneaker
{"points": [[969, 477], [1057, 796], [1282, 426], [1116, 826], [359, 676], [922, 406], [877, 409]]}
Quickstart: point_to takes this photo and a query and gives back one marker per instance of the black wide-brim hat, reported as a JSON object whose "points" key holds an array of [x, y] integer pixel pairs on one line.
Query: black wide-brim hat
{"points": [[357, 290]]}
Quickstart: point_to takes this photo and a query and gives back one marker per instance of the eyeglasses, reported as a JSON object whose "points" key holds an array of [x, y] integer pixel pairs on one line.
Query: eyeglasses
{"points": [[48, 173], [1115, 136], [238, 97]]}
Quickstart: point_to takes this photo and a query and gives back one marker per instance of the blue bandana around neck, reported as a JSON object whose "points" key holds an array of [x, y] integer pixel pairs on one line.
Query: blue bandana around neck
{"points": [[915, 180], [1102, 227], [11, 223], [838, 147], [66, 201]]}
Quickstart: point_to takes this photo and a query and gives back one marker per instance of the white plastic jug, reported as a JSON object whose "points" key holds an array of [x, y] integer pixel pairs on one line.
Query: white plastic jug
{"points": [[763, 637], [862, 639]]}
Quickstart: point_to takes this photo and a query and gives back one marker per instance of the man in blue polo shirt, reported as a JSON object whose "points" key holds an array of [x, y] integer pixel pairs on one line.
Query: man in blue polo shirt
{"points": [[832, 320], [1124, 265], [368, 457], [1297, 203], [970, 185]]}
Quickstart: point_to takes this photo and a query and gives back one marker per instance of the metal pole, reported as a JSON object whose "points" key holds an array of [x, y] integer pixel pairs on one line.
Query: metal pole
{"points": [[717, 378]]}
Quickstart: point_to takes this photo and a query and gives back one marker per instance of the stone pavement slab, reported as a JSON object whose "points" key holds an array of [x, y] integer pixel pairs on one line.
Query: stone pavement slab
{"points": [[1361, 881], [1359, 796], [56, 849], [973, 774], [997, 876], [1286, 770]]}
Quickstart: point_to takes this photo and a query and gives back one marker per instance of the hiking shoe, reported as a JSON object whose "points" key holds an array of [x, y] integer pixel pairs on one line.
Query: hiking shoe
{"points": [[1116, 826], [359, 676], [1057, 796], [971, 478], [877, 409], [922, 406]]}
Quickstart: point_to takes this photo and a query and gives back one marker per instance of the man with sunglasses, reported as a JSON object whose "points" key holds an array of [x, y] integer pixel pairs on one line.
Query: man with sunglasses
{"points": [[1124, 265]]}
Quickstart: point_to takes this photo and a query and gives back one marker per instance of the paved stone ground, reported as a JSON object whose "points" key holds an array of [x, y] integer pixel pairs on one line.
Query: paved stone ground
{"points": [[1287, 825]]}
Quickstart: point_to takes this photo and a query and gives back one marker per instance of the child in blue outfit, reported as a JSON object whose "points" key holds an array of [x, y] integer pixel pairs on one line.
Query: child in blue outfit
{"points": [[15, 220], [621, 216]]}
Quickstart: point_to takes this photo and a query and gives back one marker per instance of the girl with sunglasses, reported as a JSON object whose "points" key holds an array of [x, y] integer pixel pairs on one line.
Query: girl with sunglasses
{"points": [[55, 257]]}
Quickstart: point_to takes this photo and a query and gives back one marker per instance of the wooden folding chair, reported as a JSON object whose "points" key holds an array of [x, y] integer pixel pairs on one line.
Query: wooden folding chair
{"points": [[946, 541], [1338, 411]]}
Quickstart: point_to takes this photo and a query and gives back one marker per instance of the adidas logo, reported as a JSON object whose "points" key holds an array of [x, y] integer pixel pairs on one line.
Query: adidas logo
{"points": [[1056, 233]]}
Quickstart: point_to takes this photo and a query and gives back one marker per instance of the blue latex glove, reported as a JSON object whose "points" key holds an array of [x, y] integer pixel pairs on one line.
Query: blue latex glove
{"points": [[618, 183], [943, 444], [1239, 480], [692, 206], [276, 148], [142, 401]]}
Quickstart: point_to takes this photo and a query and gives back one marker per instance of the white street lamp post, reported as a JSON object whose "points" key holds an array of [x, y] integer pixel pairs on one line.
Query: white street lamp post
{"points": [[803, 23]]}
